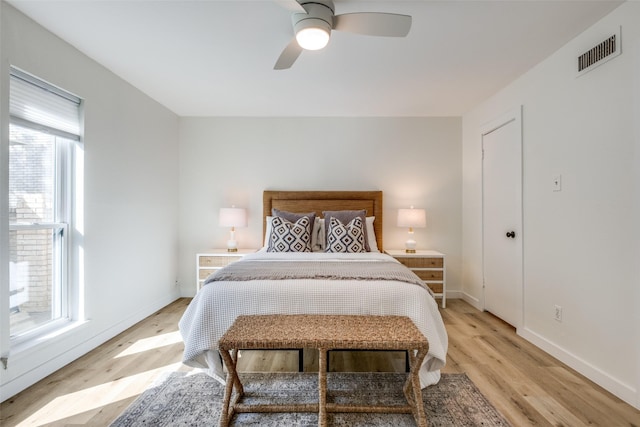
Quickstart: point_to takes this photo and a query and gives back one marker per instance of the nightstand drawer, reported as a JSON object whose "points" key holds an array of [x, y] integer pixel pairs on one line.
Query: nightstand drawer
{"points": [[217, 261], [428, 265], [204, 273], [435, 287], [422, 262], [208, 262], [429, 275]]}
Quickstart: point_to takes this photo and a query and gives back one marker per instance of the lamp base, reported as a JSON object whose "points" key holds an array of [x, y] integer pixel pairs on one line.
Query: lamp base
{"points": [[232, 246], [410, 246]]}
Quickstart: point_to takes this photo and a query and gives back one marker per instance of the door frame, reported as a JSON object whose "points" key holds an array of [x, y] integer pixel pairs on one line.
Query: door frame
{"points": [[514, 115]]}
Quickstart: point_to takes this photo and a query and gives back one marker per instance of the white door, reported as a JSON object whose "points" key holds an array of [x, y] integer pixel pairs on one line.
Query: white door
{"points": [[502, 218]]}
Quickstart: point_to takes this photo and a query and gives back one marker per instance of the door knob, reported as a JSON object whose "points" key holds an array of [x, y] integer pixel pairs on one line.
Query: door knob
{"points": [[511, 234]]}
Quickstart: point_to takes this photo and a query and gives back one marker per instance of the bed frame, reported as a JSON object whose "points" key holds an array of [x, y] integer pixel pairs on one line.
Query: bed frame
{"points": [[318, 201]]}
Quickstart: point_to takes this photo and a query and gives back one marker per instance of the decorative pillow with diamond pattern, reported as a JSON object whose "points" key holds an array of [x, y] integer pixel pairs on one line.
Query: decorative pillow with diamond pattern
{"points": [[290, 237], [345, 216], [346, 238]]}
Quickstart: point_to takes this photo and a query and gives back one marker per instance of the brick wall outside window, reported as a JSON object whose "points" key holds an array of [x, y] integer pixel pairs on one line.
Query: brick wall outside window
{"points": [[31, 201]]}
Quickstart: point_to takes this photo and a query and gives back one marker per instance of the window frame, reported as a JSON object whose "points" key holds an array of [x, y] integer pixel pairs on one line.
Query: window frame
{"points": [[64, 305]]}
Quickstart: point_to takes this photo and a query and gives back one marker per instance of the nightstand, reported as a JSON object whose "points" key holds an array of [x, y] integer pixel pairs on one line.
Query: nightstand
{"points": [[429, 266], [208, 262]]}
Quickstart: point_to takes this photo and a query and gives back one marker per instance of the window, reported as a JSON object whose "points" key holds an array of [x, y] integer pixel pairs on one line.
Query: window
{"points": [[44, 126]]}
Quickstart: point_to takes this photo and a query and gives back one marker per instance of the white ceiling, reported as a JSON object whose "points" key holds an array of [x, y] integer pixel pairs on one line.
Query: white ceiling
{"points": [[215, 58]]}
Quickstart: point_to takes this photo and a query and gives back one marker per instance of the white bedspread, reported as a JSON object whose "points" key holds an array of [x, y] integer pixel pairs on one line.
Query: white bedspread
{"points": [[217, 305]]}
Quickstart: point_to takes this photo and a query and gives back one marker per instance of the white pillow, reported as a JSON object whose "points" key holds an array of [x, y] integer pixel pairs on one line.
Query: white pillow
{"points": [[317, 236], [267, 232], [371, 235], [316, 243]]}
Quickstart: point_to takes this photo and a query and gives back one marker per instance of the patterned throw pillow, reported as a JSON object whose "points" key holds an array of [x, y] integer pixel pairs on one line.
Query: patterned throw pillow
{"points": [[345, 217], [346, 238], [290, 237]]}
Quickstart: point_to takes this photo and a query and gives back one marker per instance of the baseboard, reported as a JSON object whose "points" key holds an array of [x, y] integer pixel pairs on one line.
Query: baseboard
{"points": [[454, 295], [473, 301], [621, 390], [27, 379]]}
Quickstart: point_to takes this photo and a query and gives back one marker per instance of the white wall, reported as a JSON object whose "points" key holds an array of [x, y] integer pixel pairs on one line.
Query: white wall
{"points": [[225, 161], [580, 244], [129, 234]]}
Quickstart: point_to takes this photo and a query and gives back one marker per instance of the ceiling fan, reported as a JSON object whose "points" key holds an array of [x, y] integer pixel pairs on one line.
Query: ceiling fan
{"points": [[313, 21]]}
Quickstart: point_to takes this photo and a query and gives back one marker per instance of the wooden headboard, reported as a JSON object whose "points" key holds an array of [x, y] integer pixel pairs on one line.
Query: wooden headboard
{"points": [[318, 201]]}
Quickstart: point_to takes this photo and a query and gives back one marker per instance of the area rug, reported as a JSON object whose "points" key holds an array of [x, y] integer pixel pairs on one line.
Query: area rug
{"points": [[195, 399]]}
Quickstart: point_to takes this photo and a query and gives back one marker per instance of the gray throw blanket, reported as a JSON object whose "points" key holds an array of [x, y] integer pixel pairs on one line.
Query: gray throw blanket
{"points": [[324, 270]]}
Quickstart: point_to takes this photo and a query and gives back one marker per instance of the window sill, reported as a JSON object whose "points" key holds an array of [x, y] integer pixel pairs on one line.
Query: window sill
{"points": [[24, 344]]}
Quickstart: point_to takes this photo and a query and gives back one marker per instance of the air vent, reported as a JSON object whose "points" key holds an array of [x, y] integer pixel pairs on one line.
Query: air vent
{"points": [[599, 54]]}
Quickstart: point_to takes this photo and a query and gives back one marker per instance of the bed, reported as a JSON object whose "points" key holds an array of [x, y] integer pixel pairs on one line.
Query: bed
{"points": [[274, 282]]}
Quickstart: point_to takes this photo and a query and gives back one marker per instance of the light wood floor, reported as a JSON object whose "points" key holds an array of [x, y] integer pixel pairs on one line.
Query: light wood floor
{"points": [[528, 386]]}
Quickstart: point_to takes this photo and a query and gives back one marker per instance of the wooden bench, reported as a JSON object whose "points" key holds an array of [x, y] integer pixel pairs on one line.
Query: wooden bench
{"points": [[324, 333]]}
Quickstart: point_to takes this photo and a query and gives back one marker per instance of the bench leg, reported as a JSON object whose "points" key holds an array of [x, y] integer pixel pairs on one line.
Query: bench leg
{"points": [[322, 388], [232, 380], [412, 390]]}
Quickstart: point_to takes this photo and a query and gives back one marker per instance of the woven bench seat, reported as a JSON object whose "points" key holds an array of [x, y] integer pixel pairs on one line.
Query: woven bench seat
{"points": [[324, 333]]}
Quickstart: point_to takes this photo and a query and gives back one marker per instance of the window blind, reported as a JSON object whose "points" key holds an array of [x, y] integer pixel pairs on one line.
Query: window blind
{"points": [[39, 105]]}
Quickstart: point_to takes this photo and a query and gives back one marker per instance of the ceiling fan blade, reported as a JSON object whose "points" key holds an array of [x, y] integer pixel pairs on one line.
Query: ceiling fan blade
{"points": [[291, 5], [374, 24], [288, 55]]}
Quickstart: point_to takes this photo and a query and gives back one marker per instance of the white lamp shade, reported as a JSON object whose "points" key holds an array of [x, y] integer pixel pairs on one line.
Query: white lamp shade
{"points": [[412, 218], [233, 217]]}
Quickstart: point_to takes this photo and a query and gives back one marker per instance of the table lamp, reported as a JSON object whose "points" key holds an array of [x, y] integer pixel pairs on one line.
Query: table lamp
{"points": [[412, 218], [233, 217]]}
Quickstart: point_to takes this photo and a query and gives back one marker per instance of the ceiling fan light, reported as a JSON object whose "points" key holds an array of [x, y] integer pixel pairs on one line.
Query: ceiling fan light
{"points": [[312, 38], [312, 34]]}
